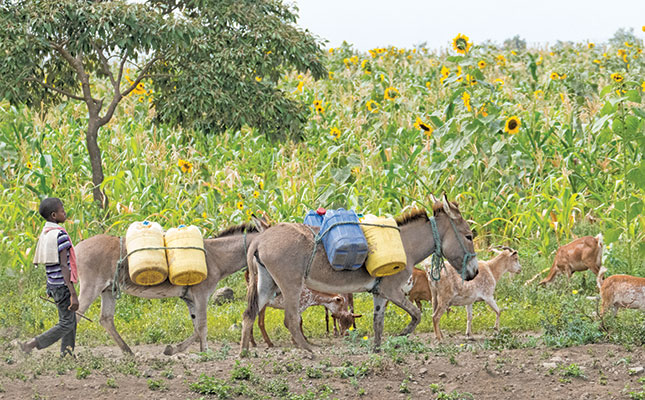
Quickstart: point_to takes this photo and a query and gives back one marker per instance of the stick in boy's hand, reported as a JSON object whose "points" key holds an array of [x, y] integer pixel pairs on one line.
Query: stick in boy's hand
{"points": [[77, 313]]}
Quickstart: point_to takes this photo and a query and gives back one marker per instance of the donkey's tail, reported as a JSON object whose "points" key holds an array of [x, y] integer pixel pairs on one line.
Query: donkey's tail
{"points": [[252, 282]]}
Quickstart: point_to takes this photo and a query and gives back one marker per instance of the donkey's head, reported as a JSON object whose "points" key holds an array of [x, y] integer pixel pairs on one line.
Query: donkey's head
{"points": [[456, 237]]}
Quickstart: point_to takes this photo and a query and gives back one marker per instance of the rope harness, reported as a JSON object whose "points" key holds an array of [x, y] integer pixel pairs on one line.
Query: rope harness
{"points": [[437, 255], [116, 282]]}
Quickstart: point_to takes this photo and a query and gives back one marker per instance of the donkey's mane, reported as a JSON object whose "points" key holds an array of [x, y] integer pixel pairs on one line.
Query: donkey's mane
{"points": [[411, 216], [233, 230]]}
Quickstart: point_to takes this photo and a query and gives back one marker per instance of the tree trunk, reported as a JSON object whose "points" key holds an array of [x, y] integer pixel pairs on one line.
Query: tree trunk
{"points": [[95, 160]]}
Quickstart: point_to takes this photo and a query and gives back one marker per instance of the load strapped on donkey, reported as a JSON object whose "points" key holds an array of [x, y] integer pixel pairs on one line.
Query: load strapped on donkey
{"points": [[153, 255]]}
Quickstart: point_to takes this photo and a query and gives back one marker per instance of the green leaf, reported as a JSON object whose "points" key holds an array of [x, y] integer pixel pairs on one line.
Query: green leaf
{"points": [[634, 95]]}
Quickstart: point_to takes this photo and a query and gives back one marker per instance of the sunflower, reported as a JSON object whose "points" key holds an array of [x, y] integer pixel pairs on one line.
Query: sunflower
{"points": [[186, 166], [499, 81], [258, 79], [335, 133], [372, 106], [331, 76], [501, 60], [590, 45], [261, 185], [512, 125], [538, 94], [426, 128], [643, 86], [391, 93], [29, 165], [240, 205], [428, 85], [481, 64], [466, 99], [301, 84], [483, 110], [471, 80], [460, 44], [554, 76], [539, 60], [256, 194], [617, 77]]}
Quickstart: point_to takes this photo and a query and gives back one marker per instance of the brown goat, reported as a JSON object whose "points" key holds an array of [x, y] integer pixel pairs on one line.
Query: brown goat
{"points": [[451, 290], [581, 254], [618, 291], [417, 288]]}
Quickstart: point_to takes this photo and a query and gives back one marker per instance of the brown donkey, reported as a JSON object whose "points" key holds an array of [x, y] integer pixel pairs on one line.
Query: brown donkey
{"points": [[279, 260], [97, 258]]}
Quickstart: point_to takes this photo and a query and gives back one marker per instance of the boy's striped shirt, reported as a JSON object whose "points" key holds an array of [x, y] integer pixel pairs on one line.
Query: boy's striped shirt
{"points": [[54, 272]]}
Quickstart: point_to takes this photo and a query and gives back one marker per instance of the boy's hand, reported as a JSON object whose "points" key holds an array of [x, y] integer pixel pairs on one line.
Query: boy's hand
{"points": [[73, 306]]}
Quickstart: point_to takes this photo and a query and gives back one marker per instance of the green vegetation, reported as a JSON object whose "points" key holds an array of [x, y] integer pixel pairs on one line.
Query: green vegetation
{"points": [[537, 146]]}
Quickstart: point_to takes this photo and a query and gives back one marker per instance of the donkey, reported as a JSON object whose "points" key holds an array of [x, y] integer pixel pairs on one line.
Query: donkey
{"points": [[280, 259], [97, 258]]}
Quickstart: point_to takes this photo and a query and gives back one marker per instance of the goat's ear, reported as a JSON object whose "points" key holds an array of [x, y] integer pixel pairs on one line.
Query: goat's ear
{"points": [[357, 315], [434, 199], [514, 253], [447, 207], [338, 299]]}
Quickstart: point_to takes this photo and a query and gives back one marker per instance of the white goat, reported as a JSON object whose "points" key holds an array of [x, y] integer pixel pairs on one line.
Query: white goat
{"points": [[451, 290]]}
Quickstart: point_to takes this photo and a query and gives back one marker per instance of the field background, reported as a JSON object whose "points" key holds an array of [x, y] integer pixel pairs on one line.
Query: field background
{"points": [[387, 128]]}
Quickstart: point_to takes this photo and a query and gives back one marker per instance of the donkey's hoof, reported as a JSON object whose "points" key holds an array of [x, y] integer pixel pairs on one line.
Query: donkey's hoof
{"points": [[169, 350]]}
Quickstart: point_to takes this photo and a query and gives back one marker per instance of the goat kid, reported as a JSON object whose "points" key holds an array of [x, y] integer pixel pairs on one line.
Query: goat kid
{"points": [[451, 290], [581, 254], [336, 304], [621, 291], [349, 300]]}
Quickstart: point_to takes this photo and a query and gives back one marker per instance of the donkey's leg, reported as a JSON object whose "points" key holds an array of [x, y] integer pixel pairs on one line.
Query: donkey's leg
{"points": [[89, 292], [397, 297], [379, 317], [263, 293], [197, 309], [292, 317], [108, 304]]}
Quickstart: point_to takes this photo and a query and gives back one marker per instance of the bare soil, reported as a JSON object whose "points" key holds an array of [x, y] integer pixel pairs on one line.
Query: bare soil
{"points": [[341, 369]]}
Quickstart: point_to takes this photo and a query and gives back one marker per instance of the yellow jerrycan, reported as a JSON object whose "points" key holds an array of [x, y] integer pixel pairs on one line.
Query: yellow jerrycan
{"points": [[186, 266], [385, 254], [147, 267]]}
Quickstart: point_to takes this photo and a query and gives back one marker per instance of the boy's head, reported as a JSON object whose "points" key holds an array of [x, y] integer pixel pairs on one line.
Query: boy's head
{"points": [[52, 210]]}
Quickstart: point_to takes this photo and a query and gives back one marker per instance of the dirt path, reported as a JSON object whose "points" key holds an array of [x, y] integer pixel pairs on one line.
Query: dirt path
{"points": [[343, 368]]}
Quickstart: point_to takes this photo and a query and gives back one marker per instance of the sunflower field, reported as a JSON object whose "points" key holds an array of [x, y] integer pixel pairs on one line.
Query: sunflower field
{"points": [[538, 146]]}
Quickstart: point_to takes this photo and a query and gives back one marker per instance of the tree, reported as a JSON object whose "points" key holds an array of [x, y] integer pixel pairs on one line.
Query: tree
{"points": [[211, 64]]}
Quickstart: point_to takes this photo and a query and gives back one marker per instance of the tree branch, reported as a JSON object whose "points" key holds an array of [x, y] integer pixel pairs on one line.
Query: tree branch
{"points": [[55, 89], [117, 97], [93, 105], [105, 65]]}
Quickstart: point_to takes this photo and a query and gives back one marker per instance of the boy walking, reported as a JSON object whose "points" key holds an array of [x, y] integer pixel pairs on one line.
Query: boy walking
{"points": [[55, 251]]}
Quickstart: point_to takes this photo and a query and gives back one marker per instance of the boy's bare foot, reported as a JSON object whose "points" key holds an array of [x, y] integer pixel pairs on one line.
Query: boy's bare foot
{"points": [[28, 346]]}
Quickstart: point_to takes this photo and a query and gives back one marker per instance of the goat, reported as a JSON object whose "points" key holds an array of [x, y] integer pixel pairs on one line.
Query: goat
{"points": [[451, 290], [349, 299], [621, 291], [336, 304], [417, 288], [581, 254]]}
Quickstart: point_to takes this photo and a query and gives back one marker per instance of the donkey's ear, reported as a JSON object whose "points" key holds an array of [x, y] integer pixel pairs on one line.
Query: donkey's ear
{"points": [[447, 207], [260, 222]]}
